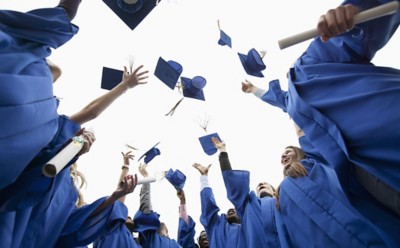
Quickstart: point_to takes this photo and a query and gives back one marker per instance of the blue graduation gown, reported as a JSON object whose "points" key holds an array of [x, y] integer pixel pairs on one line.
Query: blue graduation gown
{"points": [[147, 225], [346, 105], [116, 234], [257, 214], [186, 233], [317, 213], [18, 199], [83, 228], [324, 194], [219, 232], [28, 110], [32, 186]]}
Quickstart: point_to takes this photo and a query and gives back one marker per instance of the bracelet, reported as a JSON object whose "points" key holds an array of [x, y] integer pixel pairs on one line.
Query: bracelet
{"points": [[125, 167]]}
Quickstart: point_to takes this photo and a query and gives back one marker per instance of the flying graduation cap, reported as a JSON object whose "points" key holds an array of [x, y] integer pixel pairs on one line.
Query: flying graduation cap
{"points": [[110, 78], [207, 144], [168, 72], [224, 39], [253, 62], [132, 12], [176, 178], [193, 88], [150, 154]]}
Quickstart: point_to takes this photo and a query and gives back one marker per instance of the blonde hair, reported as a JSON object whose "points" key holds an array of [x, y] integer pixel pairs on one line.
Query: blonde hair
{"points": [[79, 182]]}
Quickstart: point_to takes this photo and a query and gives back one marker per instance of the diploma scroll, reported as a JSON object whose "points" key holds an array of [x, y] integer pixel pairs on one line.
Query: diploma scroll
{"points": [[373, 13], [62, 158]]}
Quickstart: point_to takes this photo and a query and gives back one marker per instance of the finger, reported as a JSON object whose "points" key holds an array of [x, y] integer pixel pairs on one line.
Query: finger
{"points": [[137, 69], [350, 12], [142, 73], [126, 71], [341, 21], [208, 167]]}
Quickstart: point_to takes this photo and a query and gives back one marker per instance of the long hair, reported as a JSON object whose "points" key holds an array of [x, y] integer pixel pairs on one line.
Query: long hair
{"points": [[293, 170], [79, 182]]}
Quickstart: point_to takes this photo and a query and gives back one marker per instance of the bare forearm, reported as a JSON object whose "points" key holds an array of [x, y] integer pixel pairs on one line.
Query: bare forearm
{"points": [[106, 203], [124, 173], [97, 106]]}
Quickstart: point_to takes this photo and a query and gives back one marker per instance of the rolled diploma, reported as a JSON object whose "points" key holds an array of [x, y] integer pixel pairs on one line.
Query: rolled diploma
{"points": [[147, 180], [373, 13], [61, 159]]}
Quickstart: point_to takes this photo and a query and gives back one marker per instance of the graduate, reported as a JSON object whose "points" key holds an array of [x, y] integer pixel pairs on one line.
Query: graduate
{"points": [[256, 210], [316, 210], [186, 226], [222, 230], [32, 191], [118, 233], [28, 109], [152, 232], [346, 105]]}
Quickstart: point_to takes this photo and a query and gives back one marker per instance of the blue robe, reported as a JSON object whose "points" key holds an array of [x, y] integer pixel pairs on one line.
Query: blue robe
{"points": [[147, 225], [28, 110], [117, 234], [257, 214], [219, 232], [32, 187], [186, 233], [346, 105]]}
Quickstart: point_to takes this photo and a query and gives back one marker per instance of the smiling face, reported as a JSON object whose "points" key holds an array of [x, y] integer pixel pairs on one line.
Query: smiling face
{"points": [[232, 217], [203, 240], [265, 189], [288, 156]]}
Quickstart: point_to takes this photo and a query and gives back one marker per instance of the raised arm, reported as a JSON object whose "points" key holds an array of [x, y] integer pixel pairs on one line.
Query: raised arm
{"points": [[209, 209], [97, 106], [145, 193], [126, 186], [124, 170], [186, 227], [248, 87], [224, 162]]}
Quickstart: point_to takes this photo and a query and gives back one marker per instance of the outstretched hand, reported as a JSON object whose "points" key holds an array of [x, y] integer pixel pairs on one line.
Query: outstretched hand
{"points": [[220, 145], [202, 169], [127, 156], [126, 186], [247, 86], [134, 78], [142, 170], [336, 21]]}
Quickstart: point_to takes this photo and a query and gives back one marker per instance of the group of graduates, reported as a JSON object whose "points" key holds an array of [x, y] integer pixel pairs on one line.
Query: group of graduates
{"points": [[341, 188]]}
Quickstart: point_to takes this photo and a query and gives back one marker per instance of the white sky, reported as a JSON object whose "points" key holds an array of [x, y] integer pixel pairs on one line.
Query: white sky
{"points": [[185, 31]]}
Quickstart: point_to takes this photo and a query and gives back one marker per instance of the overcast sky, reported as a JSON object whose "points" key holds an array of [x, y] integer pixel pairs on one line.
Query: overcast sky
{"points": [[185, 31]]}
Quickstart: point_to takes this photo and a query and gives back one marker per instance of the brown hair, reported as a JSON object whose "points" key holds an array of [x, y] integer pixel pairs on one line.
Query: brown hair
{"points": [[293, 170], [79, 181]]}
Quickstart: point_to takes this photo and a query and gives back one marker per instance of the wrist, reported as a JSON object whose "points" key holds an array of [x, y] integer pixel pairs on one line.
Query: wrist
{"points": [[125, 166]]}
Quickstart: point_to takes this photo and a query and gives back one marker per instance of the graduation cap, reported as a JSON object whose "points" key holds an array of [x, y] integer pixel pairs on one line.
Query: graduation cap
{"points": [[150, 154], [252, 63], [146, 222], [207, 144], [132, 12], [193, 88], [224, 39], [176, 178], [168, 72], [110, 78]]}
